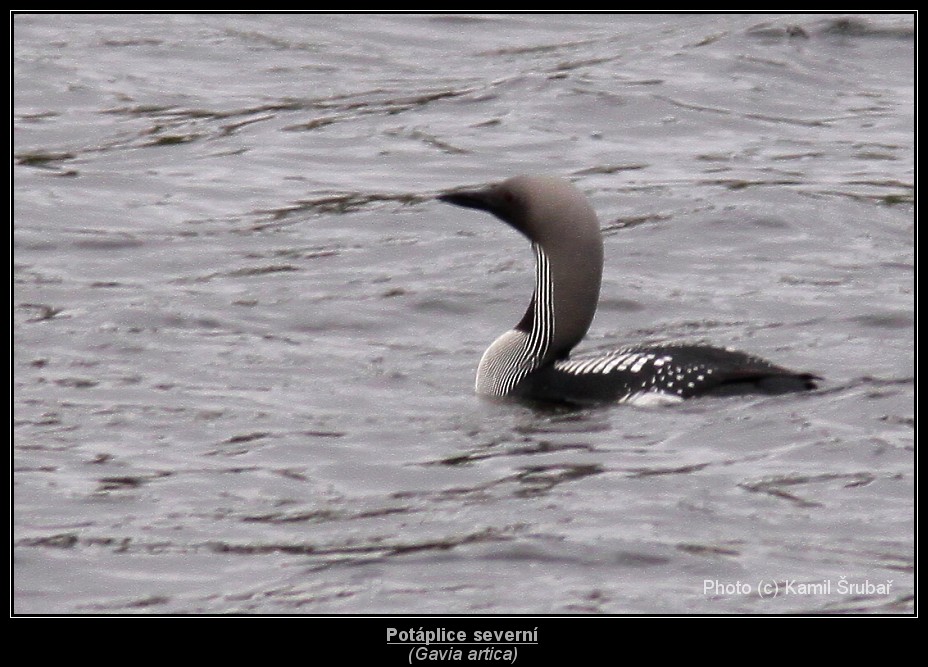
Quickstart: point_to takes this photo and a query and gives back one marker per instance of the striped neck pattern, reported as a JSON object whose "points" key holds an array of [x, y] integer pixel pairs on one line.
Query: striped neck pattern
{"points": [[524, 349]]}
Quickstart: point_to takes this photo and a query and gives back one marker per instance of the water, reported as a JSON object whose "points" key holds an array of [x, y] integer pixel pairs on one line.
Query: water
{"points": [[245, 334]]}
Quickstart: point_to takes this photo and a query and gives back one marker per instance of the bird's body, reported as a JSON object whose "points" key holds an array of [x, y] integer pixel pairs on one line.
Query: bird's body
{"points": [[532, 360]]}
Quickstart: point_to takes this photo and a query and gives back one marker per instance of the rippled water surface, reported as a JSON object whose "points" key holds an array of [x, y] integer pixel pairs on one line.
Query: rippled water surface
{"points": [[245, 334]]}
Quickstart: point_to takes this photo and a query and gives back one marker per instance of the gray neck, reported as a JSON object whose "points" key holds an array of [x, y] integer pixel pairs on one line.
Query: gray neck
{"points": [[567, 282], [562, 226], [557, 318]]}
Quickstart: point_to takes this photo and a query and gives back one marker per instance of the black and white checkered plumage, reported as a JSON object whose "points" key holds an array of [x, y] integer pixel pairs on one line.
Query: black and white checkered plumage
{"points": [[663, 373], [532, 360]]}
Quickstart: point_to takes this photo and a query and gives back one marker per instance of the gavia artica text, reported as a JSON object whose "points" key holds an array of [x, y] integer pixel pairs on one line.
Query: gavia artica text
{"points": [[532, 360]]}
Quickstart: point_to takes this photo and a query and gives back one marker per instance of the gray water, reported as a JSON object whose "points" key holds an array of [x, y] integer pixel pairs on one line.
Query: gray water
{"points": [[245, 334]]}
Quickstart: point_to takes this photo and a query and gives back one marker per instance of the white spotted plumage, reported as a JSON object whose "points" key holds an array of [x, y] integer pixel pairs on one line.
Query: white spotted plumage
{"points": [[664, 369]]}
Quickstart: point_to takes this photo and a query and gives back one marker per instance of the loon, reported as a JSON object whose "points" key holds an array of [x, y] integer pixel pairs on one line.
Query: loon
{"points": [[532, 360]]}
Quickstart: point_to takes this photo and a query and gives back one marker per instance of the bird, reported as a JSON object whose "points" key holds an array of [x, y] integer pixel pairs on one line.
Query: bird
{"points": [[533, 362]]}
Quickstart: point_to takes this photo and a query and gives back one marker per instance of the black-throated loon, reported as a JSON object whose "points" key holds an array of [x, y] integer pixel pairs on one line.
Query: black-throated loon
{"points": [[531, 361]]}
